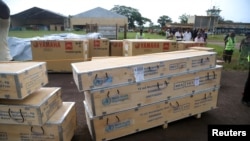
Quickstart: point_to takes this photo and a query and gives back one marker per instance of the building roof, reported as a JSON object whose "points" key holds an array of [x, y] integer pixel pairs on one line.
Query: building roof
{"points": [[37, 13], [99, 12]]}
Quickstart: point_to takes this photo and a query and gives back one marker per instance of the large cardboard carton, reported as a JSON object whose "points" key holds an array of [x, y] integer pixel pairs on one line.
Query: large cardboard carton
{"points": [[35, 109], [132, 47], [20, 79], [59, 49], [182, 45], [123, 70], [114, 99], [99, 47], [202, 48], [134, 120], [59, 54], [116, 47], [60, 127]]}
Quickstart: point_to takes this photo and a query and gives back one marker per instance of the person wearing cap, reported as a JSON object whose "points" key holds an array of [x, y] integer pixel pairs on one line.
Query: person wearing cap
{"points": [[4, 30], [244, 49], [229, 48]]}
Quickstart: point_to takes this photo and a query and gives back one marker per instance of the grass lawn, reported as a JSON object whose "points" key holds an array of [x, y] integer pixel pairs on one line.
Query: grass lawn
{"points": [[131, 35]]}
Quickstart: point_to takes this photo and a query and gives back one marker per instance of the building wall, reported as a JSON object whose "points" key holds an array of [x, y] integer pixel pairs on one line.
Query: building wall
{"points": [[26, 23], [206, 22], [98, 21]]}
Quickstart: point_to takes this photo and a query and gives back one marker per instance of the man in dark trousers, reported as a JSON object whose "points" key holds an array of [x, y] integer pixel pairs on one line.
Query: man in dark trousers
{"points": [[4, 30], [246, 93]]}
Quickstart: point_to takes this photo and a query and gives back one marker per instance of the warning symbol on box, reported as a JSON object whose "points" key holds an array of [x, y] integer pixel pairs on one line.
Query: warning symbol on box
{"points": [[68, 46]]}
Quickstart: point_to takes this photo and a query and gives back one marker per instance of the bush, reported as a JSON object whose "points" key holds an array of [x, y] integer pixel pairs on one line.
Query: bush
{"points": [[162, 33]]}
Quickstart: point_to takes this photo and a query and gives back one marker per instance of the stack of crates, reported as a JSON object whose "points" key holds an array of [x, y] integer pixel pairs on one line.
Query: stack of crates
{"points": [[129, 94], [28, 109]]}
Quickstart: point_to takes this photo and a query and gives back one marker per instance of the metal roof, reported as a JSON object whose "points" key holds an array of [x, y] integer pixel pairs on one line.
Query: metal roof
{"points": [[98, 12], [38, 13]]}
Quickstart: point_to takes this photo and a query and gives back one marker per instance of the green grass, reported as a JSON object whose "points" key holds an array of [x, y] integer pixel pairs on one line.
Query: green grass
{"points": [[234, 65]]}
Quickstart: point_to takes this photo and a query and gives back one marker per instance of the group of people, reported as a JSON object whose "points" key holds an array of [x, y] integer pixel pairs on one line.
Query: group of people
{"points": [[197, 35]]}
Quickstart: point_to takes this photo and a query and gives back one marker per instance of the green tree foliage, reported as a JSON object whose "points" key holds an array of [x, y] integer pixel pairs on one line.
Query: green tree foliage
{"points": [[133, 15], [163, 20], [183, 18]]}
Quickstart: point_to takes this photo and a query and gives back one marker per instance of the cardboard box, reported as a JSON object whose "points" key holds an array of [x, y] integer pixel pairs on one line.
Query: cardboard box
{"points": [[132, 47], [59, 49], [114, 99], [116, 47], [59, 54], [98, 47], [131, 121], [20, 79], [182, 45], [35, 109], [124, 70], [202, 48], [60, 127]]}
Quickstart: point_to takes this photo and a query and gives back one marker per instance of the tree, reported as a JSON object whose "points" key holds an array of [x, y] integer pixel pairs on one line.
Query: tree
{"points": [[183, 18], [163, 20], [133, 15]]}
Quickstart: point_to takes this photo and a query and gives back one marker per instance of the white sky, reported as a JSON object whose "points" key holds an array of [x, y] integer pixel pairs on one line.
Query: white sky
{"points": [[235, 10]]}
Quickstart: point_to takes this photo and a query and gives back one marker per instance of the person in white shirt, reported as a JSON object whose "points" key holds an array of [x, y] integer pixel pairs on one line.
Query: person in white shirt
{"points": [[178, 35], [199, 38], [187, 36], [4, 30], [167, 34]]}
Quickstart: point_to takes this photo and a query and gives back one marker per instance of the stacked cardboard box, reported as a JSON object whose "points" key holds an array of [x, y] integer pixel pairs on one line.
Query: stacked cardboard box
{"points": [[132, 47], [202, 48], [30, 111], [116, 47], [98, 47], [183, 45], [59, 54], [130, 94]]}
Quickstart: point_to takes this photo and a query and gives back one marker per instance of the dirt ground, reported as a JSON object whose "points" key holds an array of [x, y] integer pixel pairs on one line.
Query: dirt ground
{"points": [[230, 111]]}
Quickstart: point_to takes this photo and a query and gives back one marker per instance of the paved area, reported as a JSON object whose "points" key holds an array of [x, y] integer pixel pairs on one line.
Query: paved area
{"points": [[230, 111]]}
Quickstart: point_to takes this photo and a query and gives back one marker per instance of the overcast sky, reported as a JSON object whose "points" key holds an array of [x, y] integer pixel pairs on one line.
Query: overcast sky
{"points": [[235, 10]]}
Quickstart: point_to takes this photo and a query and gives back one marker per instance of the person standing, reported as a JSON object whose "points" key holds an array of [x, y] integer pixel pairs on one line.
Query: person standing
{"points": [[199, 38], [140, 35], [246, 94], [229, 48], [244, 49], [167, 34], [187, 36], [4, 30], [178, 35]]}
